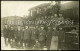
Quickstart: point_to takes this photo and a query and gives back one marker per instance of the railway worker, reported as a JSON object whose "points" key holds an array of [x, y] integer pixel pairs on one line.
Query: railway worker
{"points": [[27, 36], [61, 38], [5, 34], [54, 41], [42, 37], [49, 36]]}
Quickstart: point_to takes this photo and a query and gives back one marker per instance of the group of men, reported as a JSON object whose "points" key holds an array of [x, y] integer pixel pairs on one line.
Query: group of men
{"points": [[34, 38]]}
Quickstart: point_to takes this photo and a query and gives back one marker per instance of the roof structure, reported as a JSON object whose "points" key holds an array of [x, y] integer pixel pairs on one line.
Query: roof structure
{"points": [[63, 6]]}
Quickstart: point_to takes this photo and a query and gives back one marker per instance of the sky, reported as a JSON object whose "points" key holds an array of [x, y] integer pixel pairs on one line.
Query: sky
{"points": [[19, 8]]}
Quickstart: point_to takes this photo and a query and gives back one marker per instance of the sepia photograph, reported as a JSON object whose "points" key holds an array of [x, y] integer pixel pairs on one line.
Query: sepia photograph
{"points": [[40, 25]]}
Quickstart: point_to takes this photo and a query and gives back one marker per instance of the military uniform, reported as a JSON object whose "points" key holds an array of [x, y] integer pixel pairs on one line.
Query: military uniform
{"points": [[42, 38]]}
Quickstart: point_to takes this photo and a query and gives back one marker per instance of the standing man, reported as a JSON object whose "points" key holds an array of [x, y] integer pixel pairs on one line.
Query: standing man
{"points": [[15, 34], [27, 36], [5, 34], [12, 37], [49, 36], [34, 36], [22, 36], [54, 41], [42, 37], [9, 33], [18, 36], [61, 38]]}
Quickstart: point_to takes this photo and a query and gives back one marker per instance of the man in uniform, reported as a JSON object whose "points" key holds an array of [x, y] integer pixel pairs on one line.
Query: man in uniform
{"points": [[42, 37], [49, 36], [61, 38], [27, 36], [54, 41]]}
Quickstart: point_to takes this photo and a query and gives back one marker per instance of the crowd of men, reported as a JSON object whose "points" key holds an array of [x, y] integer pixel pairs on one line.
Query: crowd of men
{"points": [[34, 38]]}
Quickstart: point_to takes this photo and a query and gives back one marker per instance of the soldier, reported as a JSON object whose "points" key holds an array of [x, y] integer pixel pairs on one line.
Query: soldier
{"points": [[54, 41], [61, 38], [5, 34], [49, 36], [42, 37], [27, 36]]}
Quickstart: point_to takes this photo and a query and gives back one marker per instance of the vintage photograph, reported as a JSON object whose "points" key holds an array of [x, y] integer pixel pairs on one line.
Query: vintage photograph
{"points": [[39, 25]]}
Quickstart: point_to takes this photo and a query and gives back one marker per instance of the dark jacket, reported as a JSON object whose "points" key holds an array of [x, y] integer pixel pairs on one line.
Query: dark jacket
{"points": [[42, 35], [15, 33], [19, 34], [34, 34], [5, 31], [55, 33], [27, 34], [12, 33], [61, 35], [48, 37], [22, 35]]}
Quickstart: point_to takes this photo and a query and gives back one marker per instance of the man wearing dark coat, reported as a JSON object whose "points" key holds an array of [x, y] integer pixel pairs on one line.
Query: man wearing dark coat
{"points": [[34, 36], [22, 37], [42, 37], [27, 36], [49, 36], [12, 34], [61, 38], [5, 34], [9, 33], [18, 36], [15, 33]]}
